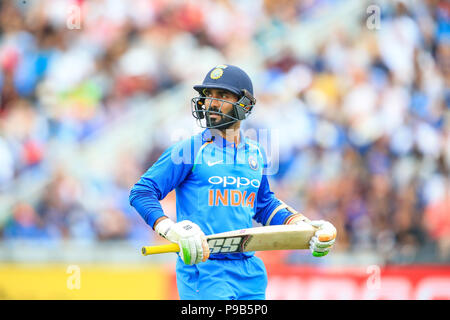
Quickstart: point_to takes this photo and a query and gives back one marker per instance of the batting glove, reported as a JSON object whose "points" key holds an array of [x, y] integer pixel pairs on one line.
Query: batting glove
{"points": [[191, 239], [323, 239]]}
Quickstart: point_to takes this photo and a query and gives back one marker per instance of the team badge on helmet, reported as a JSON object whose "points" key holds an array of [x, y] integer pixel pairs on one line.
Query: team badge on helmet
{"points": [[216, 73]]}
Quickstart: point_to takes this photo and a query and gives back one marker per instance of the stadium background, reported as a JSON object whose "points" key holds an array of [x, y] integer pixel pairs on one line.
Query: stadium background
{"points": [[93, 91]]}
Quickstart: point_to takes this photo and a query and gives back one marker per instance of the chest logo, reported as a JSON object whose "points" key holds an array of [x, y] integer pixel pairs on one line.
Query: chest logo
{"points": [[253, 162]]}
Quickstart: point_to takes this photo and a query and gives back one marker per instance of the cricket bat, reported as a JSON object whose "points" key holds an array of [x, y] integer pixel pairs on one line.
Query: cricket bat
{"points": [[280, 237]]}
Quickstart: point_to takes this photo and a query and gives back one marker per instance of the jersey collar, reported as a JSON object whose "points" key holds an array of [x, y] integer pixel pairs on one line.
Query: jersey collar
{"points": [[207, 135]]}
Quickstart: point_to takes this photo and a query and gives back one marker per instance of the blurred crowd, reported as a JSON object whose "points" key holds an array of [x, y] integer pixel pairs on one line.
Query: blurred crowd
{"points": [[363, 124]]}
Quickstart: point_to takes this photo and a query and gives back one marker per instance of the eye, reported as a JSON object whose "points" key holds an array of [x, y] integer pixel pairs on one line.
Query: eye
{"points": [[224, 95]]}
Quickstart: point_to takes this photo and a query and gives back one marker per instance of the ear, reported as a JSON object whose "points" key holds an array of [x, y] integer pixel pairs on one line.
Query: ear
{"points": [[246, 104]]}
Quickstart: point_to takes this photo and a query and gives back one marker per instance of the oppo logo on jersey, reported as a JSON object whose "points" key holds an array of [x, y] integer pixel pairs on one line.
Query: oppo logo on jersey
{"points": [[233, 181]]}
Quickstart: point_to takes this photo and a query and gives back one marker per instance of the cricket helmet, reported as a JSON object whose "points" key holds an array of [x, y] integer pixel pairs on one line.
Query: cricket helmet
{"points": [[230, 78]]}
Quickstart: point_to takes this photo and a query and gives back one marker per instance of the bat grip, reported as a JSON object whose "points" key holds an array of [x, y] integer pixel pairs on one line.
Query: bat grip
{"points": [[166, 248]]}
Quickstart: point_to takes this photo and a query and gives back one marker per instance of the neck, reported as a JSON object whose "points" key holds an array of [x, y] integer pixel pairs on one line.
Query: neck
{"points": [[232, 134]]}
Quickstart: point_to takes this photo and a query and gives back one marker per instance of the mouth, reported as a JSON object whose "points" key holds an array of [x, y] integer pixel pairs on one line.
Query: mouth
{"points": [[215, 117]]}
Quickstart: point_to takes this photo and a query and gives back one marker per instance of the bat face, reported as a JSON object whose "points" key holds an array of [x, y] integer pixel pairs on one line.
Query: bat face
{"points": [[228, 244], [282, 237]]}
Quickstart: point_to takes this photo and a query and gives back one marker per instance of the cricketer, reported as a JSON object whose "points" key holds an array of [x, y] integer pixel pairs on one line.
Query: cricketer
{"points": [[221, 184]]}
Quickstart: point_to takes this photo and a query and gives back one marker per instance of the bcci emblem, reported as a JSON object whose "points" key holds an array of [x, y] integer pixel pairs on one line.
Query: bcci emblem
{"points": [[253, 162], [216, 73]]}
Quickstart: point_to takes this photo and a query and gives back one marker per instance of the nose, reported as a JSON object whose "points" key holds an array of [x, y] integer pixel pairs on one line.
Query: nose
{"points": [[212, 104]]}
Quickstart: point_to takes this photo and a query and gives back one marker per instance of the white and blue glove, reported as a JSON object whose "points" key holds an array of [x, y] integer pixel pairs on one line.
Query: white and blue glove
{"points": [[191, 239], [324, 238]]}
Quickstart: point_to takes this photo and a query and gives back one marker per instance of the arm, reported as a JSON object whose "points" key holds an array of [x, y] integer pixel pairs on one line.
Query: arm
{"points": [[156, 183], [272, 211], [165, 175], [269, 210]]}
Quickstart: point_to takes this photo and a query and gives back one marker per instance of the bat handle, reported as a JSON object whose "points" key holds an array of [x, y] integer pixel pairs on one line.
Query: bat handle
{"points": [[166, 248]]}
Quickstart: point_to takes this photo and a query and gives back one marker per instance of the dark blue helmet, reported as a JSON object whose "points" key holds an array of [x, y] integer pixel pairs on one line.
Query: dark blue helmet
{"points": [[230, 78], [226, 77]]}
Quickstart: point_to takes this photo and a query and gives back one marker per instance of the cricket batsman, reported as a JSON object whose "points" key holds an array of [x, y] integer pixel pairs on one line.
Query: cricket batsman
{"points": [[221, 185]]}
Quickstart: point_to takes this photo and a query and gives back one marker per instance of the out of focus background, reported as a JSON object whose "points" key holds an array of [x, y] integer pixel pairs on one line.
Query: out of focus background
{"points": [[93, 91]]}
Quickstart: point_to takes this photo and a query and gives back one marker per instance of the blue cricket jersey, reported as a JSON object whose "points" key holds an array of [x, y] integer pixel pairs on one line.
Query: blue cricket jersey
{"points": [[219, 186]]}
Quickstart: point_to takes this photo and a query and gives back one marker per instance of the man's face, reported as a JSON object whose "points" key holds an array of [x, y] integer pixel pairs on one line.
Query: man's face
{"points": [[225, 106]]}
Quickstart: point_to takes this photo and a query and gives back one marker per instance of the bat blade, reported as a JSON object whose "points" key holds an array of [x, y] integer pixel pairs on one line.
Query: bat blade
{"points": [[281, 237]]}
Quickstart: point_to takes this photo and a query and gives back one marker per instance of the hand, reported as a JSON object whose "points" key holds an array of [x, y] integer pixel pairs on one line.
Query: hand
{"points": [[191, 239], [323, 239]]}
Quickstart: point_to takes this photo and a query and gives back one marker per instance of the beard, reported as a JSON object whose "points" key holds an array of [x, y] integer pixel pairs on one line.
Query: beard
{"points": [[224, 122]]}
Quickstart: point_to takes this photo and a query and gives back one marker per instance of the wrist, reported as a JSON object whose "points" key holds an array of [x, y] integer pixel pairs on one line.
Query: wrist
{"points": [[294, 218], [163, 227]]}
